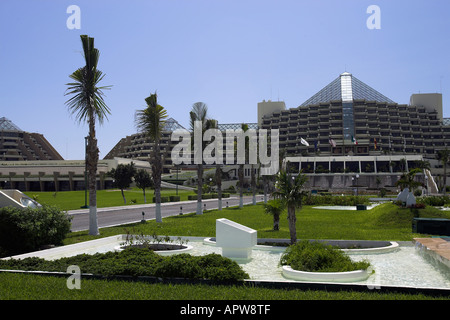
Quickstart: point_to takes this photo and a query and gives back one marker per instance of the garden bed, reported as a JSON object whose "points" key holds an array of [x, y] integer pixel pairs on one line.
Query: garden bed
{"points": [[163, 249]]}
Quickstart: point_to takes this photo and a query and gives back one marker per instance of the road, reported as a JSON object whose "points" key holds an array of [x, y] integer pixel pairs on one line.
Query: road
{"points": [[113, 216]]}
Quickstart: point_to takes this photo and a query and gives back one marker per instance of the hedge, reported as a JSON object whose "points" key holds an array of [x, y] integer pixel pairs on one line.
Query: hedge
{"points": [[163, 199], [174, 198], [28, 229], [139, 262]]}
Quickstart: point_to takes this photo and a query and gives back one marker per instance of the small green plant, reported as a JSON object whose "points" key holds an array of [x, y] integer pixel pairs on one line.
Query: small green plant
{"points": [[314, 256]]}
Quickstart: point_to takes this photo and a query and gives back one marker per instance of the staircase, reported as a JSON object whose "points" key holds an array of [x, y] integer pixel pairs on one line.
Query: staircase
{"points": [[432, 186]]}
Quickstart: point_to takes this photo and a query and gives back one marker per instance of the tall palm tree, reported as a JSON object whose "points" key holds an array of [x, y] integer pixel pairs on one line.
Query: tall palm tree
{"points": [[151, 121], [199, 114], [244, 128], [444, 157], [213, 124], [289, 191], [88, 105]]}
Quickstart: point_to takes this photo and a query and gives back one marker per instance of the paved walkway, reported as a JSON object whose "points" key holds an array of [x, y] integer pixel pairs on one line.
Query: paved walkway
{"points": [[440, 247]]}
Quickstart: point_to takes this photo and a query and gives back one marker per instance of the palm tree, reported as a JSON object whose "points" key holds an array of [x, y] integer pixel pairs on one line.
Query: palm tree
{"points": [[244, 128], [289, 191], [274, 207], [151, 121], [218, 175], [407, 180], [199, 115], [88, 105], [444, 157]]}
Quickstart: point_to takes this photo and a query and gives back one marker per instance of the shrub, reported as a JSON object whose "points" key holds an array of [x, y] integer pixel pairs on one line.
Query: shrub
{"points": [[192, 197], [313, 256], [206, 196], [139, 262], [225, 195], [174, 198], [335, 200], [163, 199], [25, 230], [435, 201]]}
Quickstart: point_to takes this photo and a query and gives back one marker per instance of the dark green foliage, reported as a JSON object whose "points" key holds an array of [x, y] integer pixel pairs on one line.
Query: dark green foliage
{"points": [[25, 230], [334, 200], [313, 256], [139, 262], [435, 201]]}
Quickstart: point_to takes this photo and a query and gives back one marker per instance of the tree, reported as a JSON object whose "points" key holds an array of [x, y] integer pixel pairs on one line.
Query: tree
{"points": [[123, 176], [151, 121], [143, 180], [275, 208], [289, 191], [88, 105], [199, 121], [407, 180], [244, 128], [444, 157]]}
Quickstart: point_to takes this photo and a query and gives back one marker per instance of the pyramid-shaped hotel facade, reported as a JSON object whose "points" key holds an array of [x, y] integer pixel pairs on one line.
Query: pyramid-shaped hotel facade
{"points": [[348, 117]]}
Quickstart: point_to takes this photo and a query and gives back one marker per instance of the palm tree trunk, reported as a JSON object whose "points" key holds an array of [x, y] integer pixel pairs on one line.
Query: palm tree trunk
{"points": [[241, 185], [276, 222], [92, 160], [265, 188], [199, 188], [156, 172], [219, 185], [292, 219], [253, 184]]}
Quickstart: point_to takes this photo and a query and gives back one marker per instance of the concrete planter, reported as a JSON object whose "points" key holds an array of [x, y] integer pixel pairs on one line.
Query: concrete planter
{"points": [[349, 276]]}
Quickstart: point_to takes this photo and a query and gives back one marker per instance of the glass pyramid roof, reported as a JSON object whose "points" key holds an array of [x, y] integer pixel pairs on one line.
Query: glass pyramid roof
{"points": [[7, 125], [171, 125], [346, 87]]}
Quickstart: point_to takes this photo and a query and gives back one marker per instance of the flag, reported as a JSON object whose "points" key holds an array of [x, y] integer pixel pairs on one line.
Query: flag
{"points": [[304, 142], [332, 142], [354, 140], [375, 143]]}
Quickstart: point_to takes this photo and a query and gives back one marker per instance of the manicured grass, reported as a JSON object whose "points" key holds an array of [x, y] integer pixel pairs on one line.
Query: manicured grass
{"points": [[73, 200], [384, 222], [34, 287]]}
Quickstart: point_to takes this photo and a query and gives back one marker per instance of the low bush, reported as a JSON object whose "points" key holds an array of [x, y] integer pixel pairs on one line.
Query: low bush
{"points": [[207, 196], [313, 256], [435, 201], [25, 230], [315, 200], [225, 195], [163, 199], [174, 198], [192, 197], [139, 262]]}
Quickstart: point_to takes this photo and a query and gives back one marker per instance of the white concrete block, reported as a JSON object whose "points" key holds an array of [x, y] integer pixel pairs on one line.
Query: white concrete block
{"points": [[235, 239]]}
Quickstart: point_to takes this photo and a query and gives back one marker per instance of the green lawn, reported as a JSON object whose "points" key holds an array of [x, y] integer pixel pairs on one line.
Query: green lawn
{"points": [[385, 222], [32, 287], [72, 200]]}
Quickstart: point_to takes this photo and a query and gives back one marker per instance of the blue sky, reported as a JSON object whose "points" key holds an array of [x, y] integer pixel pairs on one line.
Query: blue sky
{"points": [[229, 54]]}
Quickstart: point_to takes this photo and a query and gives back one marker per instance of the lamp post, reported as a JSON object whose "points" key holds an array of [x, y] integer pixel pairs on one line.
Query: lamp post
{"points": [[85, 172]]}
